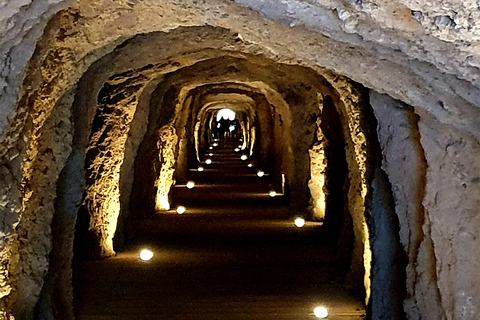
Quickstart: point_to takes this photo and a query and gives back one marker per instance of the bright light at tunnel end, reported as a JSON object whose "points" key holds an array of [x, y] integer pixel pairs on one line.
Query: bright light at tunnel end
{"points": [[146, 255], [320, 312], [299, 222]]}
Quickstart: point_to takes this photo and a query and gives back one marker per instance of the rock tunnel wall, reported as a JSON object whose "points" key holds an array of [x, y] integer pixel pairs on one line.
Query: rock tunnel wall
{"points": [[416, 57]]}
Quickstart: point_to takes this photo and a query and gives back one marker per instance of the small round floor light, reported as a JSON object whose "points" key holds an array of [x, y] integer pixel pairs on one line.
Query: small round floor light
{"points": [[208, 161], [210, 154], [210, 148], [260, 173], [181, 209], [190, 184], [272, 194], [320, 312], [146, 255], [299, 222], [215, 144], [237, 149], [249, 165], [243, 157], [200, 169]]}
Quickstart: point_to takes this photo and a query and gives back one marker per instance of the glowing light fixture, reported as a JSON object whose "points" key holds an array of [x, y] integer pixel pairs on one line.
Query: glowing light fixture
{"points": [[208, 161], [210, 148], [200, 169], [190, 184], [260, 173], [146, 255], [181, 209], [243, 157], [237, 149], [272, 194], [299, 222], [249, 165], [210, 154], [215, 144], [320, 312]]}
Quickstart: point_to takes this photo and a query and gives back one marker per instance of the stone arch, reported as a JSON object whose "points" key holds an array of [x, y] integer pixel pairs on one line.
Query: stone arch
{"points": [[46, 93]]}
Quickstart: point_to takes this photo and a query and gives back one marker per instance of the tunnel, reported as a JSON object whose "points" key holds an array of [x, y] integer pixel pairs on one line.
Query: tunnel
{"points": [[239, 160]]}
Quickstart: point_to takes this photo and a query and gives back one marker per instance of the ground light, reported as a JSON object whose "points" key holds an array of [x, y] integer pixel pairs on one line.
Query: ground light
{"points": [[210, 154], [200, 169], [250, 165], [243, 157], [237, 149], [146, 255], [320, 312], [299, 222], [215, 144], [181, 209], [260, 173], [272, 194], [208, 161], [190, 184], [210, 148]]}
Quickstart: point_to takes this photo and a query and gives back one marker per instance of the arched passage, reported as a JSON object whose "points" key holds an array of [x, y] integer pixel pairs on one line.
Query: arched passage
{"points": [[55, 88]]}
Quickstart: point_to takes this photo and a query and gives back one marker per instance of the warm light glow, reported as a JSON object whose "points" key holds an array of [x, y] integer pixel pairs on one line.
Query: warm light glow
{"points": [[320, 312], [237, 149], [146, 255], [208, 161], [250, 165], [272, 194], [181, 209], [260, 173], [210, 148], [226, 114], [210, 154], [200, 169], [215, 145], [299, 222], [243, 157], [162, 202], [190, 184]]}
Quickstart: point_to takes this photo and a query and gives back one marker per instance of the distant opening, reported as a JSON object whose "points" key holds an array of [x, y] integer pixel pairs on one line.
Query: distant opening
{"points": [[226, 114]]}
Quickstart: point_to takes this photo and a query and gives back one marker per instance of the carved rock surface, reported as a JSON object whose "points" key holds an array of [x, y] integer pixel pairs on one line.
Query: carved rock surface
{"points": [[425, 54]]}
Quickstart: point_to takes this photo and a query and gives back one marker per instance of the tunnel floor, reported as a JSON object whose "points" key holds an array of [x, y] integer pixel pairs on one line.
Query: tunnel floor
{"points": [[217, 266], [234, 254]]}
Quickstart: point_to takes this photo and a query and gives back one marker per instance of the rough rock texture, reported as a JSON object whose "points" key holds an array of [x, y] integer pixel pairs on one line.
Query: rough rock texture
{"points": [[405, 164], [424, 53], [451, 205], [104, 159], [21, 25], [167, 145], [33, 234], [318, 169]]}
